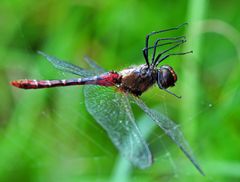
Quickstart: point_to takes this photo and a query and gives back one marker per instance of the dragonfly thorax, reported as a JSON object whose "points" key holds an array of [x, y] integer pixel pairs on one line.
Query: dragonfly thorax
{"points": [[137, 79]]}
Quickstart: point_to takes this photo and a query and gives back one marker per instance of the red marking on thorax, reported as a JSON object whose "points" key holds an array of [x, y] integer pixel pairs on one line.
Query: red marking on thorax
{"points": [[109, 79]]}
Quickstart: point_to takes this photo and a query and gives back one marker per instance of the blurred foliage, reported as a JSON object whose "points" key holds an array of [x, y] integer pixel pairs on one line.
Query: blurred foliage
{"points": [[47, 135]]}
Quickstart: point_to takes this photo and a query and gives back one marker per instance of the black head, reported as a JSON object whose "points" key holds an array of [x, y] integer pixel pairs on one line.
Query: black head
{"points": [[166, 77]]}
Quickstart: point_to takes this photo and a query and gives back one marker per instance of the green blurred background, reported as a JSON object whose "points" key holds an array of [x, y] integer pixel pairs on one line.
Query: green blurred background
{"points": [[47, 135]]}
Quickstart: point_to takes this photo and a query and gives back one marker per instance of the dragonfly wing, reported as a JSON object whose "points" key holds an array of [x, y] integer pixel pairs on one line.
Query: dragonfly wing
{"points": [[67, 67], [113, 112], [93, 65], [170, 128]]}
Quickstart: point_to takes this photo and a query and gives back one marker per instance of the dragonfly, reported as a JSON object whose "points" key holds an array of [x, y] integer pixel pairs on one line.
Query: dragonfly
{"points": [[109, 95]]}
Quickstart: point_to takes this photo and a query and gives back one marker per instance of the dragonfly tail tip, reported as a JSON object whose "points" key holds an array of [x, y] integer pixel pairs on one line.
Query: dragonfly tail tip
{"points": [[15, 83]]}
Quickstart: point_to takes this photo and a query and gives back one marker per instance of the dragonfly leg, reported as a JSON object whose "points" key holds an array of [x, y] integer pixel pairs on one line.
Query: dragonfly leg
{"points": [[145, 50], [172, 54], [176, 40], [179, 39], [163, 52]]}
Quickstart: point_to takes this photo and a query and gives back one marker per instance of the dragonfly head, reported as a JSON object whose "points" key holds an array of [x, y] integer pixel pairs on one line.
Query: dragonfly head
{"points": [[166, 77]]}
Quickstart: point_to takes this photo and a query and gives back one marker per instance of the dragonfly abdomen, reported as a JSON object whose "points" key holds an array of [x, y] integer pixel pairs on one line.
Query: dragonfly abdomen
{"points": [[35, 84], [107, 79]]}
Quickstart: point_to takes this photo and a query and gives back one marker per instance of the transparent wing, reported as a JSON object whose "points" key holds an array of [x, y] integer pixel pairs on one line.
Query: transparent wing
{"points": [[113, 112], [93, 65], [67, 67], [171, 129]]}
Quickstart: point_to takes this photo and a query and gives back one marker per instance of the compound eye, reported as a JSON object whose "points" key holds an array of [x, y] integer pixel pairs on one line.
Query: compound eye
{"points": [[166, 76]]}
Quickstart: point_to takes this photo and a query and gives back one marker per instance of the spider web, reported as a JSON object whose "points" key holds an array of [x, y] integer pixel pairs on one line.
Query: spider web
{"points": [[161, 145]]}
